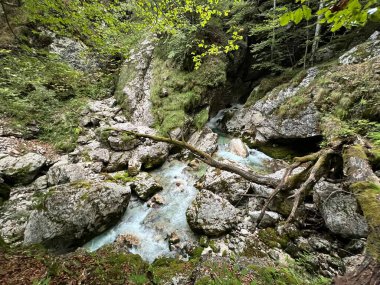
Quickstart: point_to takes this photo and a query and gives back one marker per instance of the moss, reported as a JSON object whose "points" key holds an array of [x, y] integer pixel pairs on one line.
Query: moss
{"points": [[201, 118], [269, 83], [374, 157], [271, 238], [82, 184], [368, 195], [251, 250], [354, 151], [42, 91], [175, 93], [39, 199], [278, 151], [164, 269], [121, 177], [294, 105]]}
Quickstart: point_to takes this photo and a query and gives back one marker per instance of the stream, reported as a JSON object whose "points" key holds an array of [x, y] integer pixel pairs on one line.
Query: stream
{"points": [[151, 226]]}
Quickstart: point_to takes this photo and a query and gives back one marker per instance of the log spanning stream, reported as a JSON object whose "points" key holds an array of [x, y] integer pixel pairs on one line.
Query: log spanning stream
{"points": [[151, 226]]}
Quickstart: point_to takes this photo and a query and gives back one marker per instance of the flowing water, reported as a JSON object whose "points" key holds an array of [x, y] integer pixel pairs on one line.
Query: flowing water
{"points": [[152, 226]]}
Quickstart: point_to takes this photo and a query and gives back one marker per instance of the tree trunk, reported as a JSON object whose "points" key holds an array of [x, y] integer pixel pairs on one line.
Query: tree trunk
{"points": [[317, 33]]}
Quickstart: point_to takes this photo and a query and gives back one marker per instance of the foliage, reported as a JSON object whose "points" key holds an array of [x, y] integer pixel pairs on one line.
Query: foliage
{"points": [[41, 91], [354, 13], [172, 17], [102, 25]]}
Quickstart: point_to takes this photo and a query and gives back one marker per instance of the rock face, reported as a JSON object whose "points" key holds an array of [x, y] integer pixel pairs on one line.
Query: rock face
{"points": [[340, 211], [73, 52], [263, 121], [363, 52], [21, 170], [133, 90], [145, 186], [211, 214], [70, 214], [238, 147]]}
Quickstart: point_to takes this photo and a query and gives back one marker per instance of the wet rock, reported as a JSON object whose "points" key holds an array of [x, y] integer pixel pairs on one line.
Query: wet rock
{"points": [[156, 201], [238, 147], [339, 210], [71, 214], [270, 219], [174, 238], [128, 240], [22, 169], [145, 186], [205, 140], [211, 214]]}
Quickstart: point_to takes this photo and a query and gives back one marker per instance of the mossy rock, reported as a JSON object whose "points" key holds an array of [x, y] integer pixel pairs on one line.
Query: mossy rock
{"points": [[368, 195], [271, 238]]}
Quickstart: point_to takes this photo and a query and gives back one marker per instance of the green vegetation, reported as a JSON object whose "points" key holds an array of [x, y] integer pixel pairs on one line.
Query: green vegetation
{"points": [[175, 94], [368, 194], [120, 177], [42, 91]]}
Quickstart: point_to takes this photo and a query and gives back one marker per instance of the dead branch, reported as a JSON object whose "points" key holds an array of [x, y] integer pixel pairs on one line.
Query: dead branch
{"points": [[206, 158], [317, 171]]}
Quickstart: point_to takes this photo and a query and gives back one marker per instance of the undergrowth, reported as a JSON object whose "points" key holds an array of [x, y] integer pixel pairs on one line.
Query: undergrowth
{"points": [[38, 90]]}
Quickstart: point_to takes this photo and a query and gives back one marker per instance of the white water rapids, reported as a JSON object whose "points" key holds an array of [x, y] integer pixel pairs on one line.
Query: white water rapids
{"points": [[152, 226]]}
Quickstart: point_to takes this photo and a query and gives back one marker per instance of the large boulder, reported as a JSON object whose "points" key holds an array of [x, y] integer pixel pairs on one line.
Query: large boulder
{"points": [[64, 172], [145, 186], [225, 184], [211, 215], [71, 214], [238, 147], [22, 169], [205, 140], [145, 151], [264, 121], [340, 210]]}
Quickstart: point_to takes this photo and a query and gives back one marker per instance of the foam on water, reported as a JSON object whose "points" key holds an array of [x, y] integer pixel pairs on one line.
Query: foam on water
{"points": [[152, 225]]}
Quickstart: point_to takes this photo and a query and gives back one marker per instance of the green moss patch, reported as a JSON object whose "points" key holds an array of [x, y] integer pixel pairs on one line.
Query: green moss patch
{"points": [[368, 195], [40, 90], [175, 93]]}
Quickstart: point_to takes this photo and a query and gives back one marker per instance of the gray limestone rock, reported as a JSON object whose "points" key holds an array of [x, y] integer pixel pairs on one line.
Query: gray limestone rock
{"points": [[22, 169], [211, 215], [70, 214], [339, 210]]}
